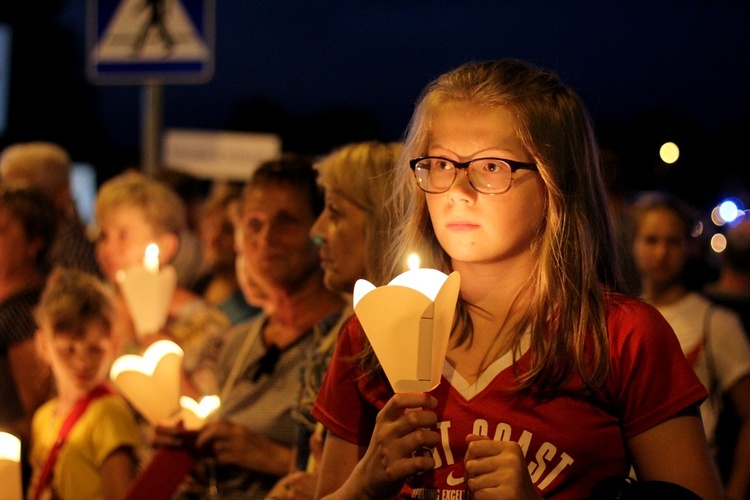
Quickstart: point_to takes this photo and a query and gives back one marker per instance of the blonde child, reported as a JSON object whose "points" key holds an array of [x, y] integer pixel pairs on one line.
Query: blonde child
{"points": [[96, 428], [133, 211], [553, 382]]}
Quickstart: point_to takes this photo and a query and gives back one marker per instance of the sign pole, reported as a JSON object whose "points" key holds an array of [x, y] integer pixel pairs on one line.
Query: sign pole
{"points": [[150, 43], [151, 126]]}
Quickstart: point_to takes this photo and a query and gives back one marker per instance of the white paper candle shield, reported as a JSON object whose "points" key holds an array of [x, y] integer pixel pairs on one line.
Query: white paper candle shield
{"points": [[408, 324], [193, 414], [152, 382], [10, 467], [148, 293]]}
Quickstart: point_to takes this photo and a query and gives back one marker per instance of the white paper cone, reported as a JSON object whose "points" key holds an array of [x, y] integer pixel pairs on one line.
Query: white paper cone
{"points": [[152, 382], [409, 331], [148, 295]]}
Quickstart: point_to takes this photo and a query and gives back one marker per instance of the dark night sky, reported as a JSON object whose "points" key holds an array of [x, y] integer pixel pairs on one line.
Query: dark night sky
{"points": [[328, 72]]}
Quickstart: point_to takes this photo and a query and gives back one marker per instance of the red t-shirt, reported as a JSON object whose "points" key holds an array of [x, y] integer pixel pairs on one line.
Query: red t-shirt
{"points": [[571, 442]]}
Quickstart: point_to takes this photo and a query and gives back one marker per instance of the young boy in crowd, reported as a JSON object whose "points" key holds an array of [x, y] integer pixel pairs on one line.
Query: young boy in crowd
{"points": [[132, 211], [84, 441]]}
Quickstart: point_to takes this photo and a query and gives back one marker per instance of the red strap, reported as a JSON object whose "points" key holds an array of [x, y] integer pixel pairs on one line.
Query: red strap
{"points": [[75, 413], [163, 474]]}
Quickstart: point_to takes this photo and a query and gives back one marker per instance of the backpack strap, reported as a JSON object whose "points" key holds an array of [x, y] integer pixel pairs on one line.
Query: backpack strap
{"points": [[75, 413]]}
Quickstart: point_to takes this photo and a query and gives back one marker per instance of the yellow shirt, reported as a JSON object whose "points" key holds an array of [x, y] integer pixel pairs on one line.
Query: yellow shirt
{"points": [[106, 425]]}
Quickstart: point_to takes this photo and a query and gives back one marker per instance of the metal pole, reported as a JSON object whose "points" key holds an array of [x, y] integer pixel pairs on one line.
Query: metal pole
{"points": [[151, 125]]}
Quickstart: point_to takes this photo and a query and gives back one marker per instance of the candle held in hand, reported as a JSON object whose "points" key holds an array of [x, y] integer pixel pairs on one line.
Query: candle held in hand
{"points": [[151, 258]]}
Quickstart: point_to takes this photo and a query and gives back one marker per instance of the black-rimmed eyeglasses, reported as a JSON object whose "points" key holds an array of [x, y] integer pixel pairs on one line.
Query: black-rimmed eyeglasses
{"points": [[436, 174]]}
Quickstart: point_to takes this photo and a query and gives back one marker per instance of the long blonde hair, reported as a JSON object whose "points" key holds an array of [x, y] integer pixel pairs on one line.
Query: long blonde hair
{"points": [[566, 313], [363, 174]]}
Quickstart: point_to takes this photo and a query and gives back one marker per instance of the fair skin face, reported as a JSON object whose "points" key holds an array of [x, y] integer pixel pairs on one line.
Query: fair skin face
{"points": [[488, 237], [81, 364], [17, 273], [276, 220], [660, 253], [489, 240], [78, 364], [341, 227], [125, 234]]}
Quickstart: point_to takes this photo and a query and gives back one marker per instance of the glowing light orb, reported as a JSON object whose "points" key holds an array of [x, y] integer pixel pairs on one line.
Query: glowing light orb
{"points": [[669, 152]]}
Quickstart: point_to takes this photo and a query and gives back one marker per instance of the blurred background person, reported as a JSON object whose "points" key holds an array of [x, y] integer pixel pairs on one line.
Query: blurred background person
{"points": [[218, 280], [27, 228], [711, 337], [85, 440], [133, 211], [46, 166], [352, 233], [193, 192], [259, 366]]}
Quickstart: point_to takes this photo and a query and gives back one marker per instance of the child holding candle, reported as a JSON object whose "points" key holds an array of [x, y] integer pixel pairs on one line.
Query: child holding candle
{"points": [[133, 212], [84, 441], [553, 382]]}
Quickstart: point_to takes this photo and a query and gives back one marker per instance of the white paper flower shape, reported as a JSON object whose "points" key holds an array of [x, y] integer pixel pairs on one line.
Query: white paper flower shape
{"points": [[194, 413], [148, 293], [152, 382], [408, 323]]}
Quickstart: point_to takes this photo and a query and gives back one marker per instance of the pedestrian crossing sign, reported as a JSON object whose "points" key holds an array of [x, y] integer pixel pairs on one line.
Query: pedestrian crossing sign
{"points": [[150, 41]]}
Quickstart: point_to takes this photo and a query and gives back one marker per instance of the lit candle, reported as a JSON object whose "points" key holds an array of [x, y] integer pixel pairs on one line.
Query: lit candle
{"points": [[413, 261], [152, 382], [151, 258], [412, 339], [148, 290], [194, 413], [10, 467]]}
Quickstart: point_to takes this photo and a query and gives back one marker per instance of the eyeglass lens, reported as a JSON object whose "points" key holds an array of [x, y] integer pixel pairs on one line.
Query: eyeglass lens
{"points": [[487, 175]]}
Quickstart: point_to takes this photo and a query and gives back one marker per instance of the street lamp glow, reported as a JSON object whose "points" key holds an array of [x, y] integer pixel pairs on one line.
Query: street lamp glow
{"points": [[718, 243], [669, 152], [728, 210]]}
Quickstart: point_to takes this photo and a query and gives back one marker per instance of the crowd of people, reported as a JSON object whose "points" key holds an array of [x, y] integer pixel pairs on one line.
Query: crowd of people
{"points": [[561, 379]]}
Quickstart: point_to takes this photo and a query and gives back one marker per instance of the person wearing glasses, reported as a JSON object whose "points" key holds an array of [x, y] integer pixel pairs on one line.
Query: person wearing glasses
{"points": [[554, 384]]}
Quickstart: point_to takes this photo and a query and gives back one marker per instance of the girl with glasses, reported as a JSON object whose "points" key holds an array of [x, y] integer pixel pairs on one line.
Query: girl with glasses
{"points": [[553, 382]]}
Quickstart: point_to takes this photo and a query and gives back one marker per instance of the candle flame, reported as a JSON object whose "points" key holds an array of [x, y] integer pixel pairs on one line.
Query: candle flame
{"points": [[413, 261], [151, 258], [202, 408]]}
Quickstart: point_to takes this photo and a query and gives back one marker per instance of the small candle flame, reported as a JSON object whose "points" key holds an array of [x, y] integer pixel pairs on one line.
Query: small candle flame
{"points": [[202, 408], [151, 258], [413, 261]]}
